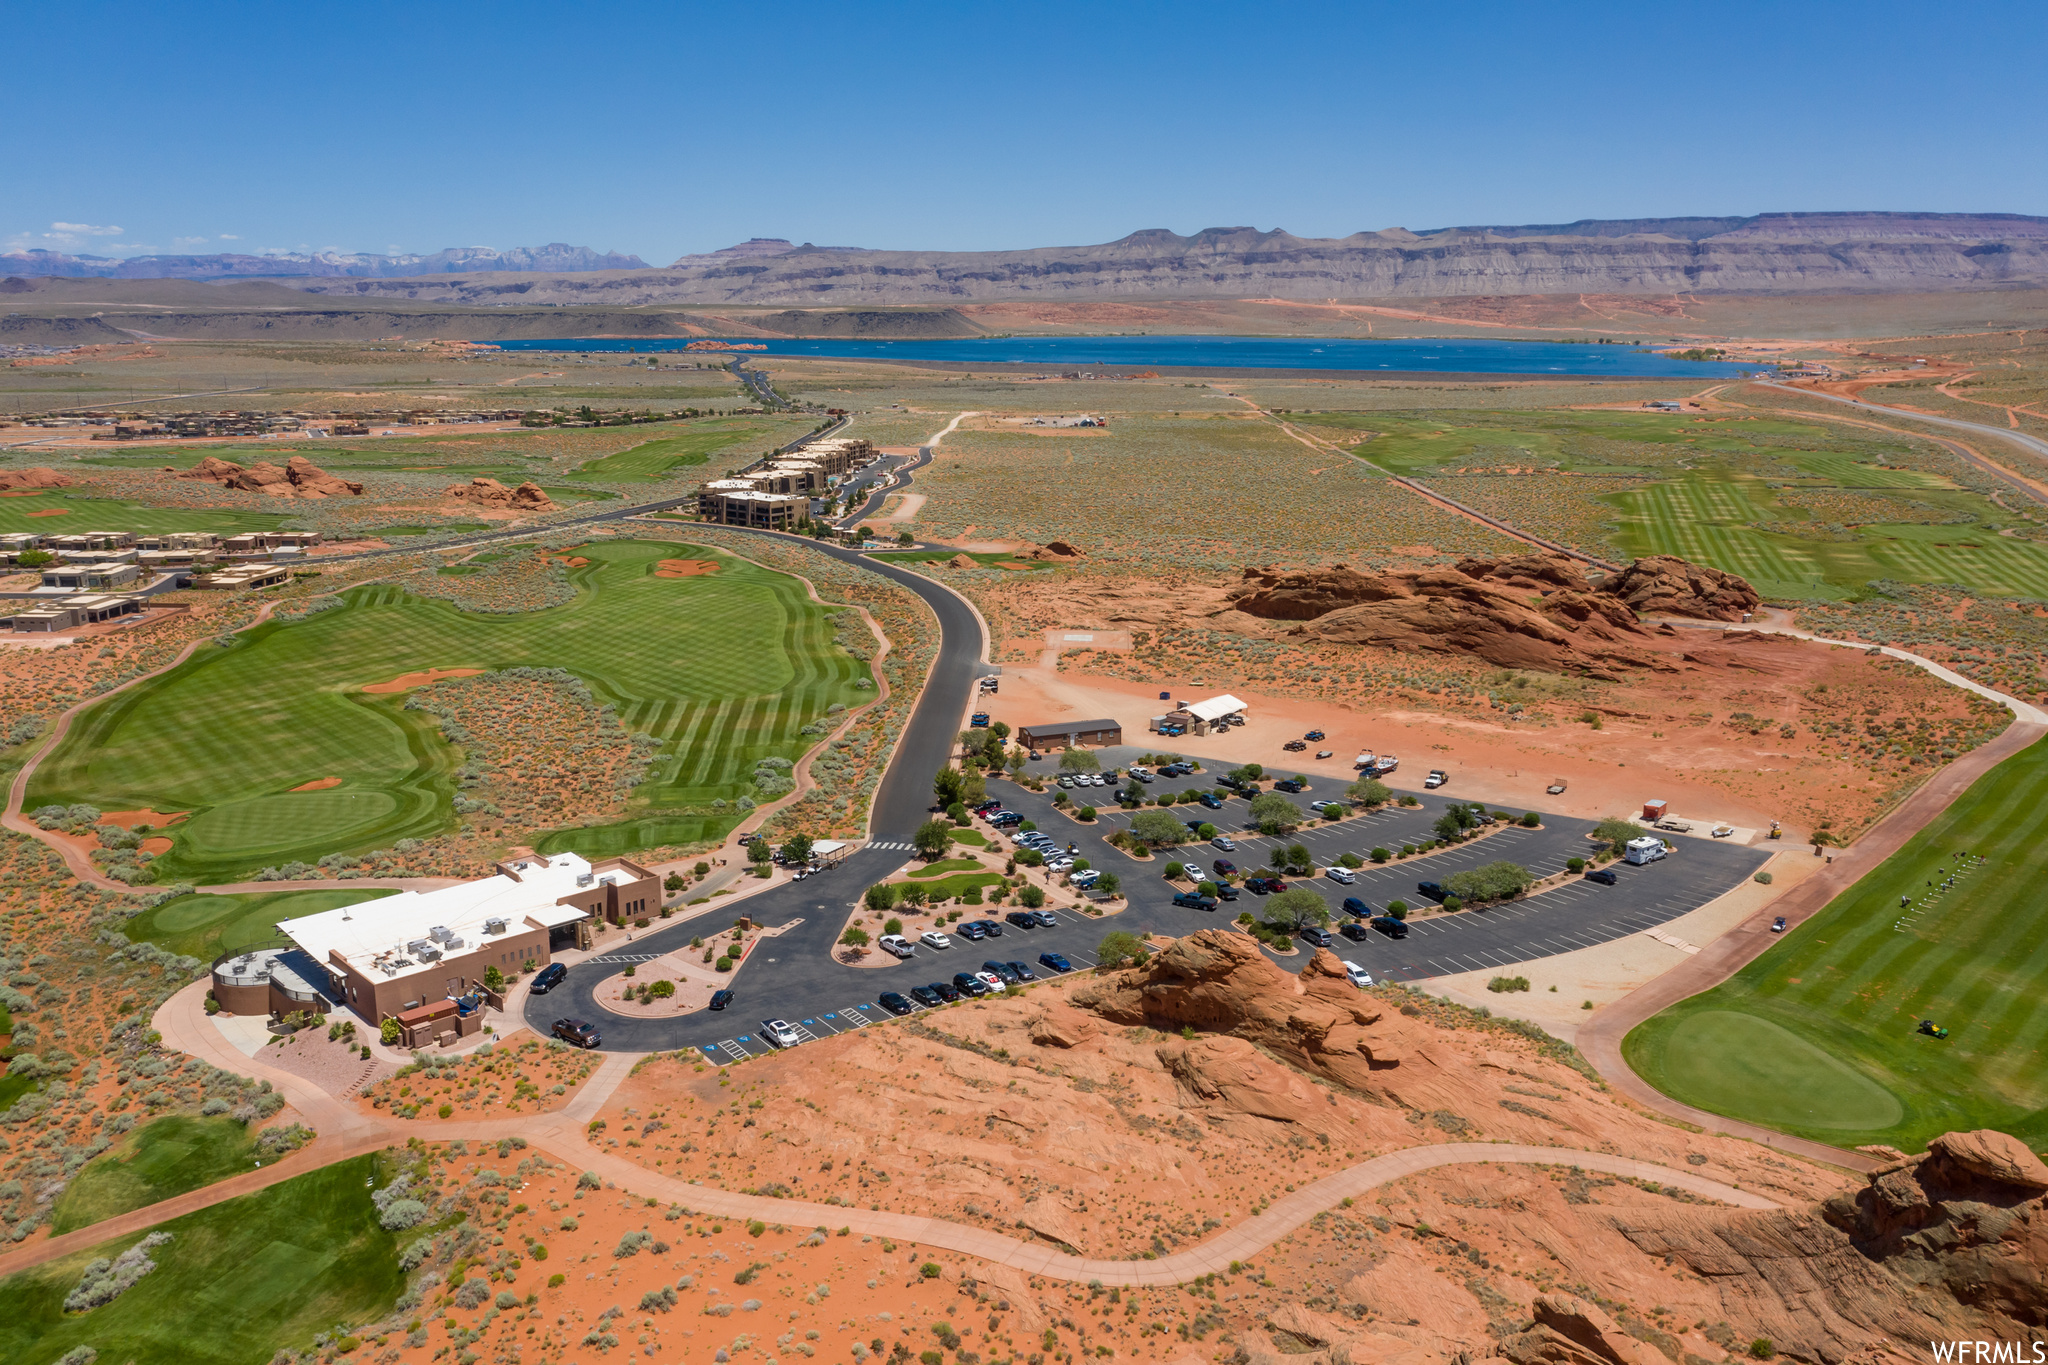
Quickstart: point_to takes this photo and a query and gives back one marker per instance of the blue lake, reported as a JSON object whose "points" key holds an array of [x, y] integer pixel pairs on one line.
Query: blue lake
{"points": [[1033, 355]]}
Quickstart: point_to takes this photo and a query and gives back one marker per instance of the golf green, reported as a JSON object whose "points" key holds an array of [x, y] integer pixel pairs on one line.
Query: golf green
{"points": [[1820, 1035], [207, 926], [723, 669]]}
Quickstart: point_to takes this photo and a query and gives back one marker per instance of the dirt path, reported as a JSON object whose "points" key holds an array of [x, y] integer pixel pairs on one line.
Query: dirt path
{"points": [[347, 1132]]}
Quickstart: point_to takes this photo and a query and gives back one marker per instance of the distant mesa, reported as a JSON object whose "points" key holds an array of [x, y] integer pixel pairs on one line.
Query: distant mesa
{"points": [[39, 477], [554, 258], [298, 477], [489, 492], [1535, 611]]}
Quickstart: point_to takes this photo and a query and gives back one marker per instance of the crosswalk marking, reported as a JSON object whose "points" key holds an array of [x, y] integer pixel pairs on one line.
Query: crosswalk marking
{"points": [[622, 957], [894, 845]]}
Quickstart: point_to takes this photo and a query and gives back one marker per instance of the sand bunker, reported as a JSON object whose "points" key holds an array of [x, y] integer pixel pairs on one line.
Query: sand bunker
{"points": [[129, 819], [426, 677], [52, 512], [684, 568], [22, 492], [321, 784], [154, 846]]}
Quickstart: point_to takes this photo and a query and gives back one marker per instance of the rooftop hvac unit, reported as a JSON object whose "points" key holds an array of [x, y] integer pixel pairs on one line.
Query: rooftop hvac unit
{"points": [[494, 926], [454, 942], [416, 947], [440, 933], [585, 878], [429, 955]]}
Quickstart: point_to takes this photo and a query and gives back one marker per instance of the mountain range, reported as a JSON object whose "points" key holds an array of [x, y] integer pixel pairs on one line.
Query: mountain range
{"points": [[554, 258]]}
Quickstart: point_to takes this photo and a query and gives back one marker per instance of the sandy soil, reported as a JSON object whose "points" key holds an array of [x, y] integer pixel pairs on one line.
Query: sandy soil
{"points": [[898, 507], [321, 784], [129, 819], [405, 682], [684, 568]]}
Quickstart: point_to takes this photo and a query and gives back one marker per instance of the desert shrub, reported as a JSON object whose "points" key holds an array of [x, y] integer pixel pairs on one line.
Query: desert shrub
{"points": [[106, 1280], [1503, 984]]}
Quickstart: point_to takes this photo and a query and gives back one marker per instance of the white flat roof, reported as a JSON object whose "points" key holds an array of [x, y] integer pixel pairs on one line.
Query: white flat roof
{"points": [[1214, 707], [373, 936]]}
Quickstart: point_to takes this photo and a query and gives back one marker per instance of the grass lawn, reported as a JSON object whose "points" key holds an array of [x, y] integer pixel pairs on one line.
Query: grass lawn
{"points": [[207, 926], [653, 461], [164, 1157], [82, 513], [237, 1282], [1816, 1037], [723, 669], [974, 838], [945, 865]]}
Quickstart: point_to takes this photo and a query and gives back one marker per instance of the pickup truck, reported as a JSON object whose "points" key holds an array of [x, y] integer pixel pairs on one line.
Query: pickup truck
{"points": [[897, 946], [1437, 777], [1194, 900]]}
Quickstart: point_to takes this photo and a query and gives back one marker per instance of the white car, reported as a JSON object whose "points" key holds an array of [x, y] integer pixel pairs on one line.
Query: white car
{"points": [[1360, 977], [932, 938], [992, 981], [897, 946], [1086, 877], [1341, 875], [1059, 864], [779, 1033]]}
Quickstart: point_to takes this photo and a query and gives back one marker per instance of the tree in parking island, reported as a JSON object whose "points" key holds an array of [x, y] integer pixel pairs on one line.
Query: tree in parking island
{"points": [[1296, 908], [797, 848], [1616, 832], [1079, 761], [1275, 814], [1497, 881], [1369, 791], [1157, 828], [932, 839]]}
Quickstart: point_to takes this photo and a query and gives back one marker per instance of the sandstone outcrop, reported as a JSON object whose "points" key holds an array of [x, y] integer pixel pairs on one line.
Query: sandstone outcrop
{"points": [[1570, 1331], [1051, 550], [39, 477], [1461, 611], [1671, 586], [297, 477], [1536, 611], [488, 492]]}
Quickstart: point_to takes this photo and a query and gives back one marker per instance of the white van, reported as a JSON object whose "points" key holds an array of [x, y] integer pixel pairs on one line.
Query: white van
{"points": [[1360, 977], [1643, 850]]}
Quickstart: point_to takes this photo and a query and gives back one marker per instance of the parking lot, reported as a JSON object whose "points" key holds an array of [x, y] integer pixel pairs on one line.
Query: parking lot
{"points": [[794, 977]]}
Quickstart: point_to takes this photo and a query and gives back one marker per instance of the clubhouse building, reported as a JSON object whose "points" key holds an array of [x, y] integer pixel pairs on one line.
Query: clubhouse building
{"points": [[420, 957]]}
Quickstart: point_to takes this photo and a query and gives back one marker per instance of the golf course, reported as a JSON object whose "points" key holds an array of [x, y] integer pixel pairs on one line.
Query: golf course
{"points": [[722, 669], [1820, 1035]]}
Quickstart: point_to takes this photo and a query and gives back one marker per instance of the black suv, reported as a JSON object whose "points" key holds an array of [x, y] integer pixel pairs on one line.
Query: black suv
{"points": [[549, 978], [577, 1032], [1288, 785], [1390, 926], [1602, 876], [1354, 931], [1433, 890]]}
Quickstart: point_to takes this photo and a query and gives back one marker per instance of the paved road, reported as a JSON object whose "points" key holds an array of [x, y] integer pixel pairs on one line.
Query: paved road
{"points": [[904, 471]]}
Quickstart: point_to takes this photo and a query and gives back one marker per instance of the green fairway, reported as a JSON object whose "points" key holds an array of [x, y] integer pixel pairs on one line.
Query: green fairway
{"points": [[722, 669], [1817, 1036], [652, 461], [236, 1282], [207, 926], [164, 1157], [111, 514]]}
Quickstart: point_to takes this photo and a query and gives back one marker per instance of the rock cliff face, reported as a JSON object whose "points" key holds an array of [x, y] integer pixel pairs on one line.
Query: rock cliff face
{"points": [[1673, 587], [527, 496], [1769, 252], [297, 477]]}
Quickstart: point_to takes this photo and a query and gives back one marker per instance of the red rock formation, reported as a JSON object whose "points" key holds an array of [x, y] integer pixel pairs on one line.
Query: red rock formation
{"points": [[1458, 611], [34, 478], [490, 493], [1667, 584], [297, 477]]}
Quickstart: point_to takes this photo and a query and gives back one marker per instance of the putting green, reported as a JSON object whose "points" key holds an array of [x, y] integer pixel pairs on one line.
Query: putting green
{"points": [[722, 670], [207, 926], [1751, 1068], [275, 825]]}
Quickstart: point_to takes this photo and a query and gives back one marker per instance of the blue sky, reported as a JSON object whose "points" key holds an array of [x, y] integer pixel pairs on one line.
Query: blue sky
{"points": [[661, 129]]}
